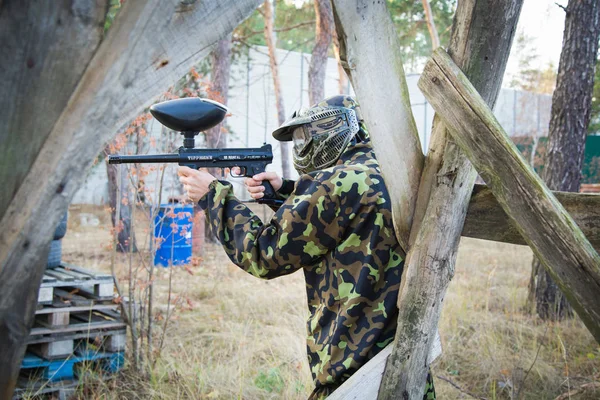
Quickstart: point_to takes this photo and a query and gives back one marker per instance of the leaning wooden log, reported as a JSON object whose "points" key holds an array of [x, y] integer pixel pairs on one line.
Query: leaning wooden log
{"points": [[370, 52], [487, 220], [547, 227], [480, 42], [151, 44]]}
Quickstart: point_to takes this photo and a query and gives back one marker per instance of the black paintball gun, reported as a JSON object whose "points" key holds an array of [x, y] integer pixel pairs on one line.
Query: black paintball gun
{"points": [[190, 116]]}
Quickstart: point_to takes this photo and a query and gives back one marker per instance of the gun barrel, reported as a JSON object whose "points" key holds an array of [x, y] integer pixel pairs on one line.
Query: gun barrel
{"points": [[154, 158]]}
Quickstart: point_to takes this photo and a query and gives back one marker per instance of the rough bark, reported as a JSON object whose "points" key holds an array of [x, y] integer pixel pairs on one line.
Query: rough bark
{"points": [[269, 16], [318, 61], [569, 120], [149, 46], [433, 33], [219, 85], [125, 235], [38, 80], [487, 220], [370, 53], [549, 230], [480, 43]]}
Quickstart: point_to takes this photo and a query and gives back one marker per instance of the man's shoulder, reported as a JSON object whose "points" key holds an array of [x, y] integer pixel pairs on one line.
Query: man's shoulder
{"points": [[347, 179]]}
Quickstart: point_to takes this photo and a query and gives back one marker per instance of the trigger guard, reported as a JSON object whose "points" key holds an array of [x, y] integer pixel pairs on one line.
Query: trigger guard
{"points": [[241, 175]]}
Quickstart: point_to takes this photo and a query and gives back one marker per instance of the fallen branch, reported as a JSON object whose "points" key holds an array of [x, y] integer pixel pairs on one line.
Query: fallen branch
{"points": [[583, 388]]}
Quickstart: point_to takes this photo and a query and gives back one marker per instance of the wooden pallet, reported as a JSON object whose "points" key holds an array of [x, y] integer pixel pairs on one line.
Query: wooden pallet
{"points": [[70, 277], [36, 369], [54, 347], [27, 388], [57, 331]]}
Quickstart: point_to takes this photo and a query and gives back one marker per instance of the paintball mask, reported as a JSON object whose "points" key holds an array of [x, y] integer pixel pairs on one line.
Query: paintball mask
{"points": [[321, 133]]}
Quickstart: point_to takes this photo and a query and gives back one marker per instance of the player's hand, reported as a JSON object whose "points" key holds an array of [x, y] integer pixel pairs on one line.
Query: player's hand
{"points": [[195, 183], [254, 184]]}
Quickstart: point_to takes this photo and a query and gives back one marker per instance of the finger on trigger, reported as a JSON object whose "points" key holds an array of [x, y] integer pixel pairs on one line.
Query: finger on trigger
{"points": [[260, 176]]}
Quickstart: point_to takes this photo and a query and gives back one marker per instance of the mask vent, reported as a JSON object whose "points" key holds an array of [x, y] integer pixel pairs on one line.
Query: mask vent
{"points": [[331, 149]]}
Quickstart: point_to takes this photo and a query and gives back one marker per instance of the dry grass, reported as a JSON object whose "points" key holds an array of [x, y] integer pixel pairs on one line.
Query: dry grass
{"points": [[235, 336]]}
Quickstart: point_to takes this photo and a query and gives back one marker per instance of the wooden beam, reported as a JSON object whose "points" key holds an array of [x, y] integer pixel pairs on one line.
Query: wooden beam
{"points": [[487, 220], [151, 44], [370, 52], [481, 38], [547, 227]]}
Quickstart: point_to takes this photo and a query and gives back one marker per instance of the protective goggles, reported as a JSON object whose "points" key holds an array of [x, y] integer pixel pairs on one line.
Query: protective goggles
{"points": [[324, 123]]}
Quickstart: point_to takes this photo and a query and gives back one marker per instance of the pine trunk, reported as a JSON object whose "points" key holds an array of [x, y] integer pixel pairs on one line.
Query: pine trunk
{"points": [[570, 117], [219, 84], [433, 33], [318, 61], [270, 38], [125, 236]]}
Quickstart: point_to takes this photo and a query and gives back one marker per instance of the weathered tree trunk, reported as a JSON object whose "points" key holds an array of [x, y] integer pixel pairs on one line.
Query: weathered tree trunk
{"points": [[486, 219], [78, 91], [269, 16], [370, 53], [125, 235], [570, 117], [433, 33], [318, 61], [219, 84], [39, 79], [480, 43], [549, 230]]}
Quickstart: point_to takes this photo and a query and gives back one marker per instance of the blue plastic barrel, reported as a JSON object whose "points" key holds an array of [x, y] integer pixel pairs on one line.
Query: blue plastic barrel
{"points": [[173, 234]]}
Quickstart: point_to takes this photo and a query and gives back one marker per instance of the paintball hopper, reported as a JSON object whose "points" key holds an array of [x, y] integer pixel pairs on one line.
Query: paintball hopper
{"points": [[189, 116]]}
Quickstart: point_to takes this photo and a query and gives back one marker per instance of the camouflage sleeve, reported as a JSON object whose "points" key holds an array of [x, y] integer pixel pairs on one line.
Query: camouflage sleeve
{"points": [[298, 235], [286, 189]]}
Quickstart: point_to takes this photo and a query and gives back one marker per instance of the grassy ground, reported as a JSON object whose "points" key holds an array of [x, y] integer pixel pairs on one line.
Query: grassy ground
{"points": [[234, 336]]}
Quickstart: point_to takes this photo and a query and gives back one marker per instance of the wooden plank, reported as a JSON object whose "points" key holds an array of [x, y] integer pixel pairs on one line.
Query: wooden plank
{"points": [[45, 295], [54, 349], [87, 272], [79, 327], [371, 55], [60, 276], [549, 230], [76, 275], [487, 220], [74, 335], [47, 279], [480, 42], [73, 297], [364, 384], [77, 282], [61, 390], [95, 307]]}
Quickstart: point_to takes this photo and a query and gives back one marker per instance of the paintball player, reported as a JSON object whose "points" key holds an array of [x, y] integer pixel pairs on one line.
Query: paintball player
{"points": [[335, 225]]}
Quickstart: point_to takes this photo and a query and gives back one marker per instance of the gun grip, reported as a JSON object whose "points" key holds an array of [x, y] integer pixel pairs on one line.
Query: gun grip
{"points": [[269, 191], [269, 196]]}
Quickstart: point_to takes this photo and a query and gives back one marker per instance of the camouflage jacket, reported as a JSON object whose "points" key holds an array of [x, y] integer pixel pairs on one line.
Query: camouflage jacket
{"points": [[336, 225]]}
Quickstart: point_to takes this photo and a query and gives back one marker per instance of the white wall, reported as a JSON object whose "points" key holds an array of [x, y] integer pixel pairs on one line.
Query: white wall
{"points": [[254, 114]]}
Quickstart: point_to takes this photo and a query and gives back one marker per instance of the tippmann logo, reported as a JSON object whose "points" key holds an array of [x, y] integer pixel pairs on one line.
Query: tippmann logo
{"points": [[198, 158]]}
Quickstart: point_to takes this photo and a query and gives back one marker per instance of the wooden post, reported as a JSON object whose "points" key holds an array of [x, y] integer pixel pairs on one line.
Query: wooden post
{"points": [[370, 53], [150, 45], [549, 230], [480, 42], [487, 220]]}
